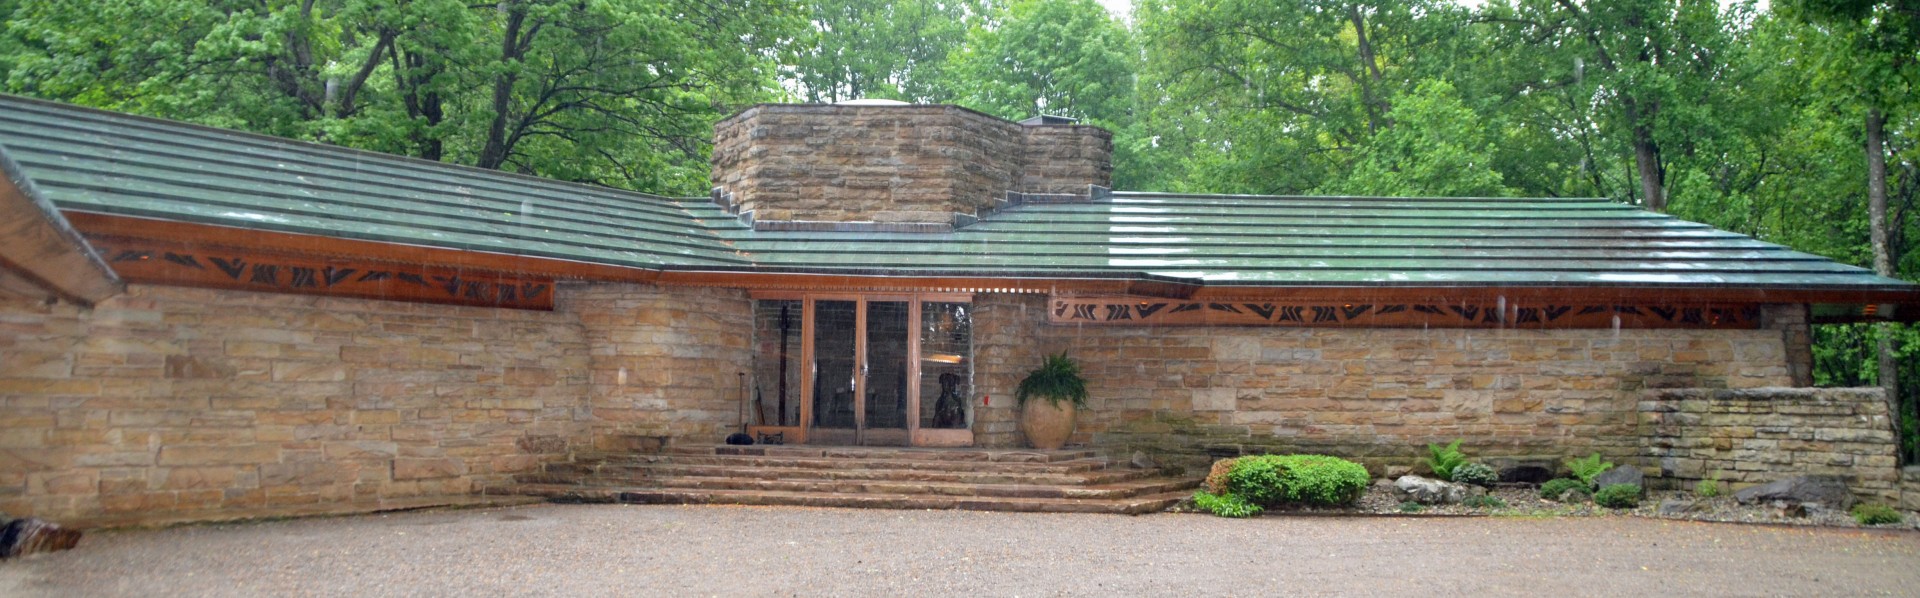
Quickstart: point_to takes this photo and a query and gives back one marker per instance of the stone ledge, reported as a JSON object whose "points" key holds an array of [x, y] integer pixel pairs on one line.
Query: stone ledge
{"points": [[362, 507]]}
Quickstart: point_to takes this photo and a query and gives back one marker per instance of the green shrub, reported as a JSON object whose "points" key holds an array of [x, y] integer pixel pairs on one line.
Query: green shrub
{"points": [[1588, 468], [1227, 505], [1478, 474], [1618, 496], [1875, 514], [1707, 488], [1554, 489], [1484, 501], [1444, 460], [1270, 480], [1412, 507]]}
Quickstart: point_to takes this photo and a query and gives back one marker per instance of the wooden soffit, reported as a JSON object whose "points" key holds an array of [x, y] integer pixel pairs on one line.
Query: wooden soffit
{"points": [[41, 255], [178, 253]]}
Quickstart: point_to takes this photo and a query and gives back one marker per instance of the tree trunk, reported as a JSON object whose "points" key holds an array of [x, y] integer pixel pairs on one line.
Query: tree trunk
{"points": [[495, 152], [1882, 257], [1646, 161]]}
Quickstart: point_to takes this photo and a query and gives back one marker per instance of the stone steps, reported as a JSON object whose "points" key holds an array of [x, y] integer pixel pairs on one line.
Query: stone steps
{"points": [[1123, 489], [921, 454], [642, 471], [1115, 506], [1072, 466], [1077, 481]]}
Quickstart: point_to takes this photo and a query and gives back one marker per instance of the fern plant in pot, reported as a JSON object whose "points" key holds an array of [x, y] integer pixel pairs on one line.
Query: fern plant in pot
{"points": [[1048, 398]]}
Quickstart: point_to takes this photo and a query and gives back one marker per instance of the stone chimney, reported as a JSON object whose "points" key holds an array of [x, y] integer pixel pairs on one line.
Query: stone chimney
{"points": [[898, 167]]}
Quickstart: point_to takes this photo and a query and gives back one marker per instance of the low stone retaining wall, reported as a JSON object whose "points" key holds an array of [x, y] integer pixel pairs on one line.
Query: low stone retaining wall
{"points": [[1910, 488], [1753, 436]]}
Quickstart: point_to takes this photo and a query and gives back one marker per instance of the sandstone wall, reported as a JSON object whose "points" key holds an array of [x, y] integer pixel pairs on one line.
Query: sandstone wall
{"points": [[1065, 159], [663, 361], [1375, 394], [895, 164], [168, 400], [1754, 436]]}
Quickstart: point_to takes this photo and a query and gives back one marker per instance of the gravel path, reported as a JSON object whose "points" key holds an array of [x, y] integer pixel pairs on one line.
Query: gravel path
{"points": [[754, 551]]}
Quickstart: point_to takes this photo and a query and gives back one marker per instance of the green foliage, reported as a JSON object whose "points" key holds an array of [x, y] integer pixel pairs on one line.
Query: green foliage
{"points": [[1707, 488], [1057, 379], [1876, 514], [878, 49], [1442, 460], [1063, 57], [1412, 507], [618, 92], [1437, 146], [1555, 489], [1618, 496], [1484, 501], [1225, 505], [1274, 480], [1588, 468], [1478, 474]]}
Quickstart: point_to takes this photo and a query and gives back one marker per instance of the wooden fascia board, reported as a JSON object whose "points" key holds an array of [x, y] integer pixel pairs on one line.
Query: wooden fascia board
{"points": [[119, 226], [39, 246], [207, 235], [1559, 294]]}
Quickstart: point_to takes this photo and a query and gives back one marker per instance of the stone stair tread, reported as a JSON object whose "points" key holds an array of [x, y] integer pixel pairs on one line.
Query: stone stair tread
{"points": [[1121, 489], [1128, 506], [1073, 466], [906, 453], [1098, 476]]}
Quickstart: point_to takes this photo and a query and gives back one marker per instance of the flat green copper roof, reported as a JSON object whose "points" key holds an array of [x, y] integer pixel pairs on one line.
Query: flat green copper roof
{"points": [[94, 161]]}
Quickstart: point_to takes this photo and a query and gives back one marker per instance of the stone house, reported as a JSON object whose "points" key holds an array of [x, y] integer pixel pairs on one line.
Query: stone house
{"points": [[195, 320]]}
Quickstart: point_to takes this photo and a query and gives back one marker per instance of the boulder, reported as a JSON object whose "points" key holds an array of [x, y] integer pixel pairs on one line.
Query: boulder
{"points": [[1395, 472], [1428, 491], [1675, 507], [1789, 510], [22, 537], [1525, 474], [1140, 460], [1824, 490], [1624, 474]]}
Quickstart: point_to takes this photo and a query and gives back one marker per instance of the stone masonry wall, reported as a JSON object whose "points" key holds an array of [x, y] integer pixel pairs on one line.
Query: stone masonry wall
{"points": [[662, 361], [895, 164], [170, 401], [1007, 343], [1758, 435], [1375, 394], [1065, 159]]}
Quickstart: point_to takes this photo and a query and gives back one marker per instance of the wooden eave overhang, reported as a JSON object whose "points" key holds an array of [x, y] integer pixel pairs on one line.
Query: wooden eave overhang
{"points": [[140, 248], [41, 255]]}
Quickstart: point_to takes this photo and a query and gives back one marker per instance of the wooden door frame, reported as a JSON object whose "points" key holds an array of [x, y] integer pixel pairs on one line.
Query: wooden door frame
{"points": [[802, 432]]}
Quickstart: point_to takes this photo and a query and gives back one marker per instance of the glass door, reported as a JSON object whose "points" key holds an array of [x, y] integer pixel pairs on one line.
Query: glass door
{"points": [[884, 395], [836, 371], [888, 370]]}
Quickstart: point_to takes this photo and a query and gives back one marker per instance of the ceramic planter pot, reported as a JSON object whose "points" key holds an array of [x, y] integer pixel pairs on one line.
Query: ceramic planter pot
{"points": [[1047, 427]]}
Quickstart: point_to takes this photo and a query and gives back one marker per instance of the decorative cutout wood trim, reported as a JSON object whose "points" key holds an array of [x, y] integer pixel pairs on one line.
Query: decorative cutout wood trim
{"points": [[157, 262], [1138, 311]]}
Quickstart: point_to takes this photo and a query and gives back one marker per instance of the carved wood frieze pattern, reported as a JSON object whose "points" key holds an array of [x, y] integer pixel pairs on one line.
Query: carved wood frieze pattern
{"points": [[1138, 311], [167, 263]]}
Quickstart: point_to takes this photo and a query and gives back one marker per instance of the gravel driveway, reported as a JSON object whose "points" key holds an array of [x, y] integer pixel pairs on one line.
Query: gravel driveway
{"points": [[754, 551]]}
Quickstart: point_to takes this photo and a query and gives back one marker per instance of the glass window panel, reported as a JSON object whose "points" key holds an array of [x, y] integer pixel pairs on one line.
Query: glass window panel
{"points": [[834, 338], [946, 365], [887, 364], [776, 364]]}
